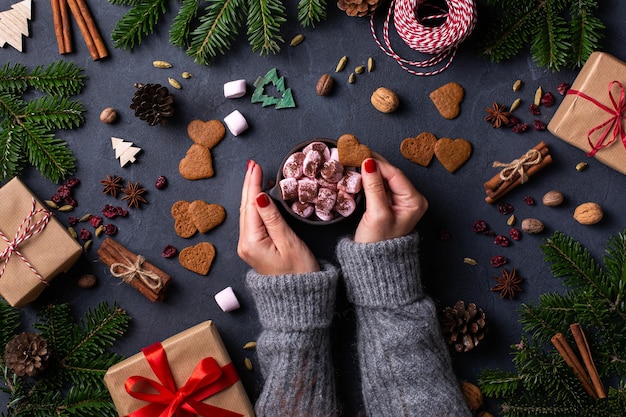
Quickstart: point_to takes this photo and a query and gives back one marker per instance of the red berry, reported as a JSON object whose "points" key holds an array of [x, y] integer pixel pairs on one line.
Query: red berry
{"points": [[505, 208], [562, 88], [72, 220], [85, 234], [515, 233], [110, 229], [479, 226], [539, 125], [95, 221], [160, 183], [529, 200], [547, 100], [72, 182], [497, 261], [534, 109], [169, 251], [501, 240], [520, 128]]}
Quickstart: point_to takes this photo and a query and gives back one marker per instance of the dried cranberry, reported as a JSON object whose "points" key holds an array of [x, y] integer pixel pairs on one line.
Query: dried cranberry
{"points": [[490, 233], [562, 88], [505, 208], [515, 233], [84, 234], [520, 128], [64, 191], [121, 211], [72, 220], [480, 226], [547, 99], [70, 201], [109, 211], [444, 235], [497, 261], [72, 182], [529, 200], [501, 240], [539, 125], [95, 221], [514, 121], [57, 198], [534, 109], [169, 251], [160, 183], [110, 229]]}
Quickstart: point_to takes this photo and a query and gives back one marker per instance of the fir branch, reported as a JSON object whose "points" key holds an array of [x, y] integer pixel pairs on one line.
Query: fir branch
{"points": [[58, 79], [264, 20], [9, 322], [180, 29], [550, 45], [140, 20], [13, 78], [311, 12], [586, 31], [55, 112], [218, 28]]}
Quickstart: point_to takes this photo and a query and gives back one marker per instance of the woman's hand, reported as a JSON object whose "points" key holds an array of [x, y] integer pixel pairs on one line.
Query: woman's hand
{"points": [[392, 204], [266, 242]]}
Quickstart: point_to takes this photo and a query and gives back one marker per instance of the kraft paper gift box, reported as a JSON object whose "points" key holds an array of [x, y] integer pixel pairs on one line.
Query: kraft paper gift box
{"points": [[179, 356], [34, 246], [592, 115]]}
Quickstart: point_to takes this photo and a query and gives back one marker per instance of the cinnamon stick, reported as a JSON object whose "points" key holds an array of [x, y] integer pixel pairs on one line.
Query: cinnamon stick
{"points": [[585, 353], [113, 253], [61, 25], [66, 26], [566, 352], [88, 29]]}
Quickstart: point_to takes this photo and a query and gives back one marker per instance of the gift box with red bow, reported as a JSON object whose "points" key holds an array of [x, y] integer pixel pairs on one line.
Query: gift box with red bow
{"points": [[189, 374], [34, 246], [592, 115]]}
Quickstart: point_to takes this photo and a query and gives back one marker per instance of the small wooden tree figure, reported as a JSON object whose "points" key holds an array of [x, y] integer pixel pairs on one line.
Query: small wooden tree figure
{"points": [[14, 24], [124, 151]]}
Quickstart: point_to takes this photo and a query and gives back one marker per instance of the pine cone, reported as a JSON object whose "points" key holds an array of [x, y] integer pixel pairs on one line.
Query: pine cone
{"points": [[463, 327], [358, 8], [153, 103], [27, 354]]}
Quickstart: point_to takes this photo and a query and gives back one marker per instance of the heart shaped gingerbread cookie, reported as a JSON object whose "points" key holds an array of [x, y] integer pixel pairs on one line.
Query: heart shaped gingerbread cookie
{"points": [[208, 133], [197, 258], [206, 216], [183, 222], [447, 99], [452, 153], [197, 163], [420, 149], [351, 152]]}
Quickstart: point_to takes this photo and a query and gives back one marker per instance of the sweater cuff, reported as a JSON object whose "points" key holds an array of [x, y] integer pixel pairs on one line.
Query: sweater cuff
{"points": [[295, 302], [382, 274]]}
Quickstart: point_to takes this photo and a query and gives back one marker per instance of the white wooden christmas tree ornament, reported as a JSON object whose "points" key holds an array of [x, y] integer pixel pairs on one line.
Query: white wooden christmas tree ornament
{"points": [[14, 24], [124, 151]]}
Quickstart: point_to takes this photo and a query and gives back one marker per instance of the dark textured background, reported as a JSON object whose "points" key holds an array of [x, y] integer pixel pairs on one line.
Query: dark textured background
{"points": [[456, 200]]}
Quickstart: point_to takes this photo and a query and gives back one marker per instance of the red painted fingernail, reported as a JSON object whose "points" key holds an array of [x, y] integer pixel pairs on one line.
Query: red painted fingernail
{"points": [[248, 164], [262, 200], [370, 166]]}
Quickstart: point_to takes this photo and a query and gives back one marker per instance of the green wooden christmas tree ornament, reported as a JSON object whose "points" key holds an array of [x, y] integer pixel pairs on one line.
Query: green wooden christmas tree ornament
{"points": [[271, 78]]}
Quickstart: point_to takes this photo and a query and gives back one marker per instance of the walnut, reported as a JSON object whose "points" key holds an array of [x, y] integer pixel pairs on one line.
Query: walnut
{"points": [[588, 213]]}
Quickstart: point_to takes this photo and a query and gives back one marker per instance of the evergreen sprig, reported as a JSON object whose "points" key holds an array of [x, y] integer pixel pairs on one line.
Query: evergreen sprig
{"points": [[542, 384], [561, 33], [27, 127], [208, 29], [73, 385]]}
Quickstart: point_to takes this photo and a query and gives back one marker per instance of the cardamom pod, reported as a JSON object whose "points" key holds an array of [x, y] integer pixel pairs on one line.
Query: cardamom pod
{"points": [[352, 78], [51, 204], [370, 64], [515, 104], [360, 69], [66, 208], [161, 64], [538, 95], [470, 261], [99, 230], [517, 85], [186, 75], [72, 232], [85, 217], [248, 363], [341, 64], [511, 220], [581, 166], [174, 83], [250, 345], [297, 40], [87, 245]]}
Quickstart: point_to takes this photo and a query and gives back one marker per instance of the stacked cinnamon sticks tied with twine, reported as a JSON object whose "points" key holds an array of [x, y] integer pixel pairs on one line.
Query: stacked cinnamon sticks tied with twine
{"points": [[516, 172], [590, 380], [85, 22]]}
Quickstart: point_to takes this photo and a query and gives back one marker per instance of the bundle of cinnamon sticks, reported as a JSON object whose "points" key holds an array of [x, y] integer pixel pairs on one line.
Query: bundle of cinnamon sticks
{"points": [[590, 380], [85, 22], [517, 172]]}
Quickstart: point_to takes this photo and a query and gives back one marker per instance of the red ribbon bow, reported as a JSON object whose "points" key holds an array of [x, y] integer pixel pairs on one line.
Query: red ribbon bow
{"points": [[25, 231], [613, 123], [208, 378]]}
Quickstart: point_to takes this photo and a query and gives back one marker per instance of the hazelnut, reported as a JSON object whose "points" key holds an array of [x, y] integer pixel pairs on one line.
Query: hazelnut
{"points": [[552, 198], [86, 281], [385, 100], [472, 394], [532, 226], [324, 85], [108, 115], [588, 213]]}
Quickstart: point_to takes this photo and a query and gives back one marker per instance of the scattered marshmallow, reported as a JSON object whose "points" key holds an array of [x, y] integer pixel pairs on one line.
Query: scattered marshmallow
{"points": [[227, 300], [235, 89], [236, 123]]}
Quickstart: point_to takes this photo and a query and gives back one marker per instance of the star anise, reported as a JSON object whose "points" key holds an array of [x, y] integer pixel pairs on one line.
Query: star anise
{"points": [[497, 115], [133, 195], [508, 284], [111, 185]]}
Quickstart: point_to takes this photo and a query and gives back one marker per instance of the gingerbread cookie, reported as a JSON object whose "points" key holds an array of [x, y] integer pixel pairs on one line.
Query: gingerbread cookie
{"points": [[206, 216], [351, 152], [208, 133], [197, 258], [197, 163], [452, 153], [447, 99], [183, 222], [420, 149]]}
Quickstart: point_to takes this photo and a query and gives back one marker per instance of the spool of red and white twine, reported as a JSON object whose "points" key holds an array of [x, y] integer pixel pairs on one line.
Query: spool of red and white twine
{"points": [[441, 41]]}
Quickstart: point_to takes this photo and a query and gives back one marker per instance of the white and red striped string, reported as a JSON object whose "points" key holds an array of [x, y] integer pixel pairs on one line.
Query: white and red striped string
{"points": [[440, 41], [25, 231]]}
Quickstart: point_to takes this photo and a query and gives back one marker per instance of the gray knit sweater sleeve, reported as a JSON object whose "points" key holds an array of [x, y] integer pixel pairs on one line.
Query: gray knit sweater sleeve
{"points": [[405, 366], [293, 349]]}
